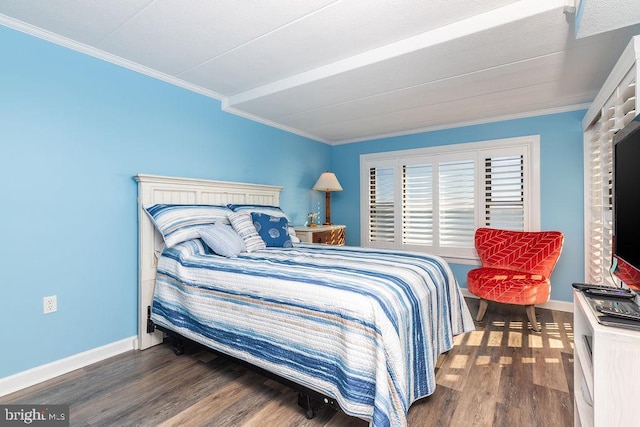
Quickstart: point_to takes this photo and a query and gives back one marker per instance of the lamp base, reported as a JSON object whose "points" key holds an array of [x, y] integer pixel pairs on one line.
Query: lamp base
{"points": [[327, 216]]}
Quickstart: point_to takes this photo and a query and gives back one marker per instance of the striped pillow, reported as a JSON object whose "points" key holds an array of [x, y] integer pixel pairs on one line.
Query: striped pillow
{"points": [[178, 223], [241, 222], [222, 239]]}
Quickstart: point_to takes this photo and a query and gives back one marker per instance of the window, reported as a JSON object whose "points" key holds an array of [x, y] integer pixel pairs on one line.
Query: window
{"points": [[433, 199], [417, 206], [504, 192], [381, 204], [456, 197]]}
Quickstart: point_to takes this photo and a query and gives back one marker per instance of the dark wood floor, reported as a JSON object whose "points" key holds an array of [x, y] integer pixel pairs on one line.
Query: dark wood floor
{"points": [[500, 375]]}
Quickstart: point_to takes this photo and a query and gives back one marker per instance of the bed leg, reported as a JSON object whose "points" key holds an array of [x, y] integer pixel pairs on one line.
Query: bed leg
{"points": [[178, 346], [304, 401], [150, 326]]}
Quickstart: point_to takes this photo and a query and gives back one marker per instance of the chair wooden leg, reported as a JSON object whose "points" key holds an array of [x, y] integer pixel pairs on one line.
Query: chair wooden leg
{"points": [[482, 309], [531, 314]]}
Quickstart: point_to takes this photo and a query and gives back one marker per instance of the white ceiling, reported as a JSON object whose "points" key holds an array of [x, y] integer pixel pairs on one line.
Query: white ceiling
{"points": [[599, 16], [347, 70]]}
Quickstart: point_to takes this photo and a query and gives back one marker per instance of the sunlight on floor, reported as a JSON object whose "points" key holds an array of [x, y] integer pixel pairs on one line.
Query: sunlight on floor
{"points": [[506, 360], [483, 360], [459, 361], [535, 341], [474, 338], [515, 339], [505, 344], [516, 334], [452, 378], [495, 339]]}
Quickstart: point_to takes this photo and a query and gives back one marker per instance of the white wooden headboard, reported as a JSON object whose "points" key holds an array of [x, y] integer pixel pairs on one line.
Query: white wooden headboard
{"points": [[153, 189]]}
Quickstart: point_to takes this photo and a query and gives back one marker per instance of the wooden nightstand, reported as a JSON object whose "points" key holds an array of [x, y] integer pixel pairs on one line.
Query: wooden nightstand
{"points": [[327, 234]]}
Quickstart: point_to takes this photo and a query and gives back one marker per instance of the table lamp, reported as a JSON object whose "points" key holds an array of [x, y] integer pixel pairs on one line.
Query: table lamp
{"points": [[327, 183]]}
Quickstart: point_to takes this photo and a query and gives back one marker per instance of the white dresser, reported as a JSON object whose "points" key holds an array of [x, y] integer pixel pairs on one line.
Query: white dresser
{"points": [[606, 371]]}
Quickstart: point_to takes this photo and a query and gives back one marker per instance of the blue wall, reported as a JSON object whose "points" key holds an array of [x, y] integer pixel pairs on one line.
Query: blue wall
{"points": [[561, 187], [74, 130]]}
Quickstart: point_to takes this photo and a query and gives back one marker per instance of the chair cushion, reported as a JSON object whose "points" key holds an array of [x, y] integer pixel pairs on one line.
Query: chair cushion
{"points": [[508, 286]]}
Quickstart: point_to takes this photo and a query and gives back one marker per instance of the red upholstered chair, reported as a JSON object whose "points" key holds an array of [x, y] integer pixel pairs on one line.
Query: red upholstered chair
{"points": [[516, 268]]}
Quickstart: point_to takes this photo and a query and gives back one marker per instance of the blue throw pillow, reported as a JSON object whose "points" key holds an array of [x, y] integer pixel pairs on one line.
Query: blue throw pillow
{"points": [[222, 239], [265, 209], [272, 229]]}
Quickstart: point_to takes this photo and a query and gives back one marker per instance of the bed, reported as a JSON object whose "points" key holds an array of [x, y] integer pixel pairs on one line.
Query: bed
{"points": [[362, 326]]}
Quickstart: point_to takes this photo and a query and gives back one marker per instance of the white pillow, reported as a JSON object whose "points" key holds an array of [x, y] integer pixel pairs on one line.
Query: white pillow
{"points": [[222, 239], [242, 223]]}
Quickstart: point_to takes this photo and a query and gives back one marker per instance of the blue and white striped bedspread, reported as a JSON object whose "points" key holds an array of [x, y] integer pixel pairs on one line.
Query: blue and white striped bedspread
{"points": [[364, 326]]}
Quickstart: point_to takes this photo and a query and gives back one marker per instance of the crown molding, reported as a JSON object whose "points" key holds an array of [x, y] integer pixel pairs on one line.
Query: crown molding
{"points": [[226, 108], [105, 56], [528, 114], [134, 66]]}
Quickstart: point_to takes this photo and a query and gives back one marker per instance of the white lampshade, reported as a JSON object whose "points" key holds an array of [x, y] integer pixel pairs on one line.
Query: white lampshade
{"points": [[327, 182]]}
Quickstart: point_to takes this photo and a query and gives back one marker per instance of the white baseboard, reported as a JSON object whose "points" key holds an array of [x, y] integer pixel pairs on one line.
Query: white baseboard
{"points": [[551, 304], [42, 373]]}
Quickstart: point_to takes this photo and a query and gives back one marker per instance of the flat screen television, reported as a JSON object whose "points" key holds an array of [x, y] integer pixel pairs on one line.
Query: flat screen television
{"points": [[626, 204]]}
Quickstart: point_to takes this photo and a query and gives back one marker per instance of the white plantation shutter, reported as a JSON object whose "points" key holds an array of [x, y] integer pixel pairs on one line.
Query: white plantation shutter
{"points": [[627, 110], [599, 229], [504, 195], [617, 111], [456, 195], [433, 199], [381, 204], [417, 204]]}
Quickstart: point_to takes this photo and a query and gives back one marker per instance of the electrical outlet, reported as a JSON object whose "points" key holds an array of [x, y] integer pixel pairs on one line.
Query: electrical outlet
{"points": [[50, 304]]}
